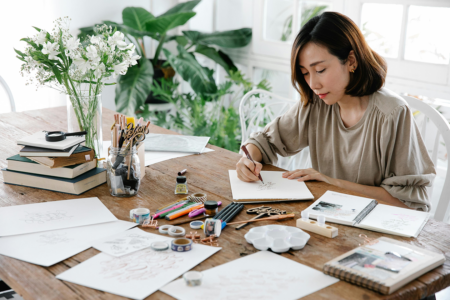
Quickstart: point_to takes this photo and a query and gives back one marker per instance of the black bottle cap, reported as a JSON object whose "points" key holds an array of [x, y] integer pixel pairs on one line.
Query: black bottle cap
{"points": [[181, 179], [211, 204]]}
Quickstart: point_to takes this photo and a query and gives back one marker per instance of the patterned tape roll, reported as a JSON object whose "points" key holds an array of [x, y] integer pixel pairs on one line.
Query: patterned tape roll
{"points": [[176, 231], [198, 197], [193, 278], [164, 229], [181, 245], [139, 215]]}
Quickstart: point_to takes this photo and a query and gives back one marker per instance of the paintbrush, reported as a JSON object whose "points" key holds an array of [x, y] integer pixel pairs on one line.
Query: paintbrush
{"points": [[279, 217]]}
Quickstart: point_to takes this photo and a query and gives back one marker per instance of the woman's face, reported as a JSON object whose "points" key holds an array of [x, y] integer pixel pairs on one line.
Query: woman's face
{"points": [[324, 73]]}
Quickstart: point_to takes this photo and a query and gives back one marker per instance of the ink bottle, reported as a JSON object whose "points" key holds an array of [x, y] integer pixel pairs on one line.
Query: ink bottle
{"points": [[181, 187], [211, 208]]}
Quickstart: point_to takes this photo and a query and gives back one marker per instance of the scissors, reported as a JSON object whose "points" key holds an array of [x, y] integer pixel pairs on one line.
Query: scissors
{"points": [[262, 211]]}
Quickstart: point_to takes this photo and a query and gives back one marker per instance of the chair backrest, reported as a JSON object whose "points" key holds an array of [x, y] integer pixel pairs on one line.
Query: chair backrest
{"points": [[9, 93], [256, 110], [443, 129]]}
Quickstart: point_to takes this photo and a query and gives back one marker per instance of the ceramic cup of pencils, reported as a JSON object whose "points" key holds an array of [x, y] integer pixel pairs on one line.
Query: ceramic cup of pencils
{"points": [[123, 172]]}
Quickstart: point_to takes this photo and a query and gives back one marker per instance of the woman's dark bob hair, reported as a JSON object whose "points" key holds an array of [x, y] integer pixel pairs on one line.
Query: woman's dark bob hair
{"points": [[339, 35]]}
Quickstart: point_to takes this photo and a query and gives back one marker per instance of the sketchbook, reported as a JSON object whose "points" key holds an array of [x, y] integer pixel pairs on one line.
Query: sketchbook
{"points": [[384, 266], [368, 214], [38, 140], [175, 143], [274, 189]]}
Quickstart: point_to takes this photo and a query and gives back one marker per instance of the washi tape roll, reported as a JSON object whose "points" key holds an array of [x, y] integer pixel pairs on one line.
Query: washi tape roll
{"points": [[198, 197], [164, 229], [139, 215], [193, 278], [196, 224], [181, 245], [212, 226], [159, 246], [176, 231]]}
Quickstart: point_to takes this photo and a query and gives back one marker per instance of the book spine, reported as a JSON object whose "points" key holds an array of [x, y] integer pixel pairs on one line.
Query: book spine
{"points": [[365, 211], [355, 278]]}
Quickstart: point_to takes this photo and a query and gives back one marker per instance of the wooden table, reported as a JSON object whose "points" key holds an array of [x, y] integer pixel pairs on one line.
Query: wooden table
{"points": [[208, 173]]}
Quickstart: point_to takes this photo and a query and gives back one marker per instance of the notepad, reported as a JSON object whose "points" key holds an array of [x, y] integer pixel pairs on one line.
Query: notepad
{"points": [[368, 214], [274, 189]]}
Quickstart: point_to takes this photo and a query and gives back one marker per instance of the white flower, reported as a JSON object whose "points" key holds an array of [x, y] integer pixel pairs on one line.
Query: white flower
{"points": [[99, 71], [51, 50], [124, 46], [120, 68], [72, 44], [82, 64], [117, 37], [91, 53], [96, 39], [31, 62], [133, 59], [40, 38]]}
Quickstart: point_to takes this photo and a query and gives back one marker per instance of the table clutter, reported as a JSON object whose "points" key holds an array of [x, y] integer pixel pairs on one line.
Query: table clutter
{"points": [[278, 238]]}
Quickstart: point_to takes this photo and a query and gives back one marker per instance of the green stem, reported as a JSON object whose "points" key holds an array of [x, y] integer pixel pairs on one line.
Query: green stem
{"points": [[158, 50], [82, 125]]}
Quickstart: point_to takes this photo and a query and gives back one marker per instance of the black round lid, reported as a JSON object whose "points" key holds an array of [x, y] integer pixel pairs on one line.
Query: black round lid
{"points": [[211, 204], [181, 179]]}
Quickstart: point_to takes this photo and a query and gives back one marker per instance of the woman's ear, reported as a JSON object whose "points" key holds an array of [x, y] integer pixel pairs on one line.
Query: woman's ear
{"points": [[352, 62]]}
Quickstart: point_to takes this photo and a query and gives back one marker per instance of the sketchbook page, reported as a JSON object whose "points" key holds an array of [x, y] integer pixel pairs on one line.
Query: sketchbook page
{"points": [[395, 220], [123, 243], [29, 218], [338, 208], [50, 247], [274, 187], [153, 157], [175, 143], [139, 274], [263, 275]]}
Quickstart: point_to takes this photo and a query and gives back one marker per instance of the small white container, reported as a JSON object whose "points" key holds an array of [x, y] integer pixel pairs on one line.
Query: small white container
{"points": [[278, 238]]}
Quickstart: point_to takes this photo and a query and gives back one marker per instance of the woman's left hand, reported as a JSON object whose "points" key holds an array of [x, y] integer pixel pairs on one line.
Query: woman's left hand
{"points": [[305, 175]]}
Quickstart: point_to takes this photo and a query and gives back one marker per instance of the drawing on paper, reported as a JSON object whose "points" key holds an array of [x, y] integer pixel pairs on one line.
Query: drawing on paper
{"points": [[133, 241], [266, 186], [334, 210], [399, 222], [139, 266], [49, 216], [53, 238]]}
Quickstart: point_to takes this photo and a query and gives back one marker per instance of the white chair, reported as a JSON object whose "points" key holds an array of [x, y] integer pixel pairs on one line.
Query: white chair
{"points": [[9, 93], [443, 128], [256, 110]]}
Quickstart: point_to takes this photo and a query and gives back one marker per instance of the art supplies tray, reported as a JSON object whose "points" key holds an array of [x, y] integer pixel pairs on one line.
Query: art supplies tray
{"points": [[279, 238]]}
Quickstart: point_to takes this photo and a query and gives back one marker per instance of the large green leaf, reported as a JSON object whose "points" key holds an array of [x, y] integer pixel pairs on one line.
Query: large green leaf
{"points": [[133, 88], [185, 64], [164, 23], [182, 7], [136, 17], [217, 56], [131, 31], [226, 39]]}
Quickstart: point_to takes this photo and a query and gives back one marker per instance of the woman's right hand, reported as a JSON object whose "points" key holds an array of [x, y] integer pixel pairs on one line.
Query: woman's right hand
{"points": [[247, 170]]}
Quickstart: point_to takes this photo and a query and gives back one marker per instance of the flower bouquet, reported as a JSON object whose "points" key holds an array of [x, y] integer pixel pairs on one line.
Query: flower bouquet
{"points": [[58, 60]]}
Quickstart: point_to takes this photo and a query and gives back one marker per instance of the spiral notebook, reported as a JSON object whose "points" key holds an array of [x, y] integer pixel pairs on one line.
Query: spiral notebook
{"points": [[368, 214], [385, 266]]}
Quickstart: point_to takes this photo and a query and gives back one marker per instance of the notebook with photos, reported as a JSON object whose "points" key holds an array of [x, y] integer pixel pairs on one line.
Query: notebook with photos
{"points": [[385, 266], [368, 214]]}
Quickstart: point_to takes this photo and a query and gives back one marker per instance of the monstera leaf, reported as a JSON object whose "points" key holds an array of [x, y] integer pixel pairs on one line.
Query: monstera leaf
{"points": [[218, 56], [226, 39], [136, 17]]}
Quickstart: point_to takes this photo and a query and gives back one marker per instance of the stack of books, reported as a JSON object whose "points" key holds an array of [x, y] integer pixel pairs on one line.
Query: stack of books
{"points": [[64, 166]]}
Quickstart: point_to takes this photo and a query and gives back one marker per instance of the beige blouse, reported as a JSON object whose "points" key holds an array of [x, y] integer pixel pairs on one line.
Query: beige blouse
{"points": [[383, 149]]}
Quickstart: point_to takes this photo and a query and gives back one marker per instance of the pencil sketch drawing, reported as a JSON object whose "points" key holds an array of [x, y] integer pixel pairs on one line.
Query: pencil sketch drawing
{"points": [[334, 210], [44, 217], [139, 266], [132, 240], [53, 238], [398, 222], [266, 186]]}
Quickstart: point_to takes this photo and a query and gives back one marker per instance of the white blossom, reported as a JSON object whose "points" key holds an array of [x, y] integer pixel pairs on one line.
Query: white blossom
{"points": [[124, 46], [72, 44], [40, 38], [96, 39], [120, 68], [99, 71], [133, 59], [83, 65], [117, 37], [31, 62], [91, 53], [51, 50]]}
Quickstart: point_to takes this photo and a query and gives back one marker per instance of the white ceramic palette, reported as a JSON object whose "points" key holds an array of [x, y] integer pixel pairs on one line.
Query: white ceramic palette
{"points": [[279, 238]]}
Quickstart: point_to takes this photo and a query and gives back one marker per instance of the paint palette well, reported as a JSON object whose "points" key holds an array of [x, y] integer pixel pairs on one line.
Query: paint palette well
{"points": [[278, 238]]}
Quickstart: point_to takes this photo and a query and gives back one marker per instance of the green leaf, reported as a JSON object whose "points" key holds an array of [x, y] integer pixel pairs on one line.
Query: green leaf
{"points": [[217, 56], [57, 74], [136, 17], [164, 23], [226, 39], [31, 43], [21, 58], [181, 40], [38, 29], [19, 52], [133, 88], [182, 7], [131, 31], [185, 64]]}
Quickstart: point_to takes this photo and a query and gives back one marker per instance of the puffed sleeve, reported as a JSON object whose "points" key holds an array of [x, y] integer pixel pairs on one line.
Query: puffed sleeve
{"points": [[409, 169], [286, 135]]}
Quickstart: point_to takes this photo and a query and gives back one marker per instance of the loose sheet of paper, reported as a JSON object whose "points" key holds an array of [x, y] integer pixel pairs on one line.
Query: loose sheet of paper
{"points": [[395, 220], [138, 274], [125, 242], [274, 187], [175, 143], [260, 276], [29, 218], [153, 157], [50, 247]]}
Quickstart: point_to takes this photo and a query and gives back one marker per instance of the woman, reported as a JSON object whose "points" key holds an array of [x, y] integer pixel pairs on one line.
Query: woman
{"points": [[362, 137]]}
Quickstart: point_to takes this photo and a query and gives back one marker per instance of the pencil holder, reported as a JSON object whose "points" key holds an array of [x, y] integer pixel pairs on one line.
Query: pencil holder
{"points": [[124, 172]]}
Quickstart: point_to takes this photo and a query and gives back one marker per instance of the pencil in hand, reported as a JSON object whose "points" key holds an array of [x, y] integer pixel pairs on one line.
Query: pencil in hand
{"points": [[250, 157]]}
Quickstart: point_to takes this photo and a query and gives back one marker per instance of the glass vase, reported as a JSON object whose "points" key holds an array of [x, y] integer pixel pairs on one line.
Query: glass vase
{"points": [[84, 113]]}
